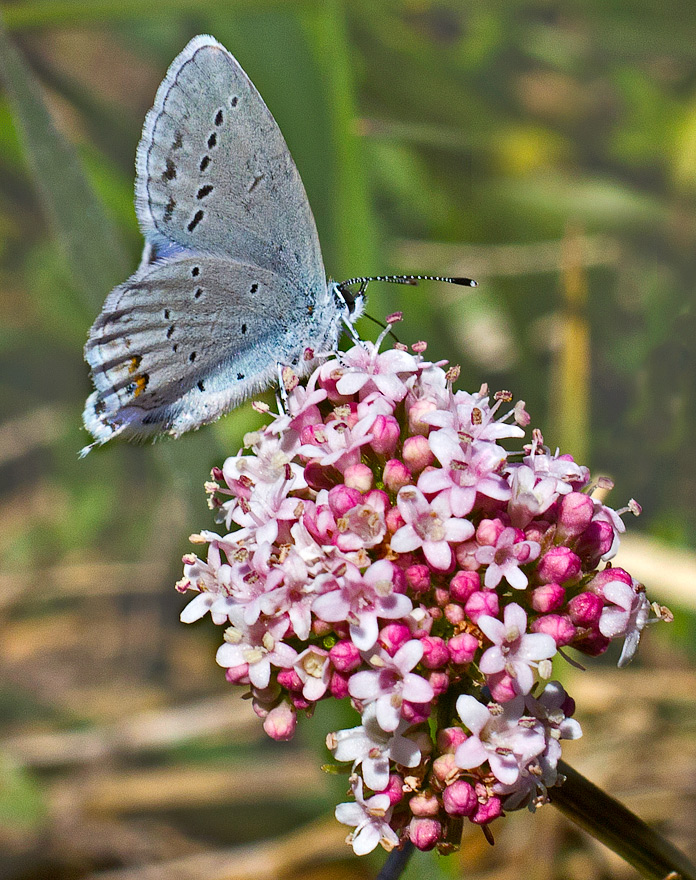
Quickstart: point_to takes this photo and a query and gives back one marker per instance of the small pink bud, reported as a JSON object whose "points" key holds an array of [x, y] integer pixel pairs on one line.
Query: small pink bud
{"points": [[442, 596], [321, 628], [489, 530], [459, 799], [417, 453], [425, 803], [393, 636], [449, 738], [557, 626], [238, 674], [445, 770], [502, 687], [385, 432], [344, 656], [439, 682], [343, 498], [537, 530], [454, 613], [396, 475], [591, 642], [483, 602], [558, 565], [424, 834], [394, 520], [606, 576], [463, 648], [547, 598], [289, 679], [358, 476], [415, 414], [338, 684], [395, 789], [585, 609], [319, 477], [594, 542], [575, 514], [435, 653], [418, 578], [463, 584], [487, 811], [299, 702], [280, 723], [415, 713]]}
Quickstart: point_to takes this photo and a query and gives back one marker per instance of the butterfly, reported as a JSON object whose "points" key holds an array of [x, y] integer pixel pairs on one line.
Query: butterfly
{"points": [[231, 286]]}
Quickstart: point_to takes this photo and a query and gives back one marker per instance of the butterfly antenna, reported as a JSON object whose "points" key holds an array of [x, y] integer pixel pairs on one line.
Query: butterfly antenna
{"points": [[407, 279]]}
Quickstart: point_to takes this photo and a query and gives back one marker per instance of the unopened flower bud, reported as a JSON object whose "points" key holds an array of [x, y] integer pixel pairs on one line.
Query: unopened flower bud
{"points": [[575, 514], [424, 834], [425, 803], [489, 530], [343, 498], [459, 799], [416, 713], [415, 414], [449, 738], [463, 647], [417, 453], [338, 684], [280, 723], [557, 626], [393, 636], [606, 576], [454, 613], [594, 542], [483, 602], [503, 687], [418, 578], [435, 653], [344, 656], [439, 682], [396, 475], [463, 584], [548, 597], [585, 609], [358, 476], [385, 432], [558, 565], [487, 811], [238, 674], [395, 788]]}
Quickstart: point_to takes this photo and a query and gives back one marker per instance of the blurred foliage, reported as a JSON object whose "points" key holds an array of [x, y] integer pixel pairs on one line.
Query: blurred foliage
{"points": [[549, 150]]}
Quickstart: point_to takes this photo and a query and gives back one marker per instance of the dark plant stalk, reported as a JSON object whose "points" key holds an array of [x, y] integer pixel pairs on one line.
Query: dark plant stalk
{"points": [[618, 828], [396, 862]]}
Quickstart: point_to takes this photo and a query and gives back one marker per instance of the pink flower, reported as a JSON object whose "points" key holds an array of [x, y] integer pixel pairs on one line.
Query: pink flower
{"points": [[504, 559], [391, 682], [626, 616], [259, 646], [429, 526], [370, 817], [514, 650], [361, 599], [367, 370], [464, 472], [371, 748], [497, 736]]}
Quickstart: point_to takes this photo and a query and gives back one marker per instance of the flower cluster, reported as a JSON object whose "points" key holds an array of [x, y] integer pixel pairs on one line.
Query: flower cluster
{"points": [[380, 544]]}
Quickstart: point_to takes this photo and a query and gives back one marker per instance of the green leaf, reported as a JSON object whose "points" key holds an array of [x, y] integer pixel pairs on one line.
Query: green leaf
{"points": [[95, 256]]}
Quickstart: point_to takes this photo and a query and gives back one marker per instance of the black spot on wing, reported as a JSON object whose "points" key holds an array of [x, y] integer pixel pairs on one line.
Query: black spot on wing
{"points": [[212, 141], [205, 161], [219, 118], [197, 217], [204, 191], [169, 209], [169, 172]]}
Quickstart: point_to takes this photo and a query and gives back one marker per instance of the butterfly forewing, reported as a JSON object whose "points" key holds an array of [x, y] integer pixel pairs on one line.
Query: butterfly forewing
{"points": [[214, 173]]}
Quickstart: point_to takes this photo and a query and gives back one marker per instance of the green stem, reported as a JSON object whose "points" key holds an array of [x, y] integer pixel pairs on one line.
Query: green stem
{"points": [[619, 829]]}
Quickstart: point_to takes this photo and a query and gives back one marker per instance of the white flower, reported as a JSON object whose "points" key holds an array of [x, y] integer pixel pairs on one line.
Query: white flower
{"points": [[371, 820]]}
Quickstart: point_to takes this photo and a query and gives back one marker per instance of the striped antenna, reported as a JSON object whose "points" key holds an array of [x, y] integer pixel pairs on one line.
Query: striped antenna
{"points": [[407, 279]]}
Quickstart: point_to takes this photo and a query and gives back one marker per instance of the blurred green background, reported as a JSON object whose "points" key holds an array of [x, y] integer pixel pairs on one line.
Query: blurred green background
{"points": [[546, 149]]}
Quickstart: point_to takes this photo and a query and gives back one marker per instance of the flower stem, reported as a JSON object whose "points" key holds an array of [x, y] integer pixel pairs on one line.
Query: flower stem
{"points": [[619, 829], [396, 862]]}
